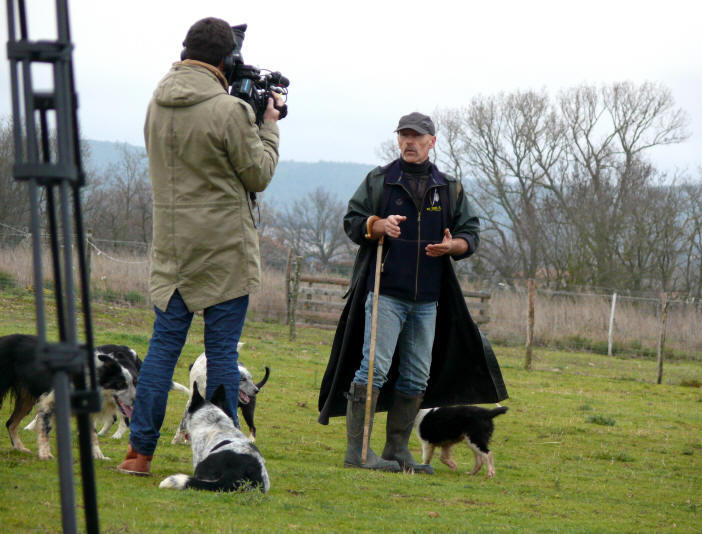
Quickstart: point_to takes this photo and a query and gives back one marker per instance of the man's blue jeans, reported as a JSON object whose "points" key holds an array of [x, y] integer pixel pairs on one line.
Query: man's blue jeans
{"points": [[409, 326], [223, 325]]}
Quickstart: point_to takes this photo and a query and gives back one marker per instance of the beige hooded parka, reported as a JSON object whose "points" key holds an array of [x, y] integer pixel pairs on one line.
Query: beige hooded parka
{"points": [[205, 154]]}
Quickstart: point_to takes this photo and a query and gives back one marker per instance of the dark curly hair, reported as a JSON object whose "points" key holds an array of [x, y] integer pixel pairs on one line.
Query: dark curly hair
{"points": [[209, 40]]}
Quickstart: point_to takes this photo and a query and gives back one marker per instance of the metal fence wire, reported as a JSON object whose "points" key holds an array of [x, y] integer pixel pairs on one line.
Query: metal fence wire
{"points": [[119, 272]]}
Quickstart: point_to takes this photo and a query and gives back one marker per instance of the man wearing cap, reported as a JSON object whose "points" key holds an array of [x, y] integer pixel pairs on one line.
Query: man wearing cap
{"points": [[428, 351]]}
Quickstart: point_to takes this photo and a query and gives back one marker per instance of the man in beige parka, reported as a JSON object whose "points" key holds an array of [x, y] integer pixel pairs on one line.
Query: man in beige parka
{"points": [[206, 154]]}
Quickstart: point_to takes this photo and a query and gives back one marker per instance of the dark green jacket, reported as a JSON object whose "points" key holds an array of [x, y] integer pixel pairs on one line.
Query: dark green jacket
{"points": [[464, 368], [368, 200]]}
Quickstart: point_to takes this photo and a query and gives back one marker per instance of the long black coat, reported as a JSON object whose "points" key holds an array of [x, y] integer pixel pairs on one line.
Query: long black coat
{"points": [[464, 369]]}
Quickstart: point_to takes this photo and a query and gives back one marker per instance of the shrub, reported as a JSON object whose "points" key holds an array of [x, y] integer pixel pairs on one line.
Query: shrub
{"points": [[601, 420], [7, 281], [134, 298]]}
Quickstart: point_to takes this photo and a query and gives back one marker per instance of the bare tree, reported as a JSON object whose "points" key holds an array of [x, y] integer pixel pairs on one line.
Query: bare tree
{"points": [[312, 227], [506, 143], [564, 186], [14, 199], [118, 203], [692, 262], [451, 138], [388, 151], [607, 133], [14, 205]]}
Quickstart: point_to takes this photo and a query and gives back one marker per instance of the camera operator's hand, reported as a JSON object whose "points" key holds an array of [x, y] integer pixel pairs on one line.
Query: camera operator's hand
{"points": [[271, 113]]}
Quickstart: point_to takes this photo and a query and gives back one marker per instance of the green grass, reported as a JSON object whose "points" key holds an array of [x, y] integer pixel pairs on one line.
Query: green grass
{"points": [[590, 444]]}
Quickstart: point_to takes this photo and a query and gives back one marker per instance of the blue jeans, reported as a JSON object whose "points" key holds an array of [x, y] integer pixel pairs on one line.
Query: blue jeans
{"points": [[409, 326], [223, 325]]}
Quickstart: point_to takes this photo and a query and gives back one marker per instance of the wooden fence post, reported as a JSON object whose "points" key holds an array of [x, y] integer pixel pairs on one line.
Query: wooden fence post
{"points": [[530, 325], [661, 338], [288, 293], [293, 304], [610, 337]]}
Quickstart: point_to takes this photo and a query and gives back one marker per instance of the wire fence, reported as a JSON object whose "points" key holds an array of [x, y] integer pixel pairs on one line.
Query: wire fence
{"points": [[119, 273], [590, 321]]}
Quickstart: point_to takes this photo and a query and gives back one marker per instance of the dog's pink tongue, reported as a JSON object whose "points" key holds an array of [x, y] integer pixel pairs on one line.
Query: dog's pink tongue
{"points": [[243, 397], [127, 410]]}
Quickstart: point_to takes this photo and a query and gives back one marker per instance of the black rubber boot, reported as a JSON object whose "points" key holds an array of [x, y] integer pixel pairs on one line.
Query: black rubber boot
{"points": [[355, 418], [401, 416]]}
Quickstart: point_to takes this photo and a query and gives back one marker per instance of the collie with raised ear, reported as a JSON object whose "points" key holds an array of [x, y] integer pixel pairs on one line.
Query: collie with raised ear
{"points": [[223, 458], [248, 390]]}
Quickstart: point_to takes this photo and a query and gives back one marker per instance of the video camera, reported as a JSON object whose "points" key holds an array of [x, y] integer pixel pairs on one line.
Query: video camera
{"points": [[253, 85]]}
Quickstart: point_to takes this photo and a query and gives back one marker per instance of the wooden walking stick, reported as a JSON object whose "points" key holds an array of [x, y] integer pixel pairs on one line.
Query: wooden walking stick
{"points": [[371, 354]]}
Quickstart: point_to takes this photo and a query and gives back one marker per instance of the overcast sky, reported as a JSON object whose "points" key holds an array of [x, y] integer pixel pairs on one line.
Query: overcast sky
{"points": [[356, 67]]}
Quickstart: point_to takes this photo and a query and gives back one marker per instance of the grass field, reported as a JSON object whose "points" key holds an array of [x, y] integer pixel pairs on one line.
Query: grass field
{"points": [[590, 444]]}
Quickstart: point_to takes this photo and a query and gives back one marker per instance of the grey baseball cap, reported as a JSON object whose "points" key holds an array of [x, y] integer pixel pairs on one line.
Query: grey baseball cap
{"points": [[418, 122]]}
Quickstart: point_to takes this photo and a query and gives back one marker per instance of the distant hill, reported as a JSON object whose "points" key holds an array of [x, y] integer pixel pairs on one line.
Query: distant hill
{"points": [[102, 153], [292, 180]]}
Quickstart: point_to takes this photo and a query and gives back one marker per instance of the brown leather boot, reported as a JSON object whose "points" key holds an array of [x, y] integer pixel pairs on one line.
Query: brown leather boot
{"points": [[135, 463]]}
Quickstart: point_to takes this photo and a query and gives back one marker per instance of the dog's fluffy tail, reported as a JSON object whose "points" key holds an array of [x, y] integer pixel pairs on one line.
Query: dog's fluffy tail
{"points": [[178, 481], [33, 424], [182, 482], [180, 387]]}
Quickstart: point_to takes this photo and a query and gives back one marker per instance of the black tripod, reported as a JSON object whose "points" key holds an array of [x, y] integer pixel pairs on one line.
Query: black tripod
{"points": [[55, 172]]}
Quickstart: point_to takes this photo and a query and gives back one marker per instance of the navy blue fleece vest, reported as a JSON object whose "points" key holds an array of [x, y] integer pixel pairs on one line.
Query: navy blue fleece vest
{"points": [[407, 271]]}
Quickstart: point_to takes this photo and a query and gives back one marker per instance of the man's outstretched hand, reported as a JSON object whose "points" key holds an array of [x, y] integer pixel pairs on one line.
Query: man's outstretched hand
{"points": [[448, 245]]}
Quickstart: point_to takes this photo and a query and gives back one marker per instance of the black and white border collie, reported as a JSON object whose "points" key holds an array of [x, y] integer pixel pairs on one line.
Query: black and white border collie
{"points": [[248, 390], [30, 384], [111, 414], [223, 458], [448, 425]]}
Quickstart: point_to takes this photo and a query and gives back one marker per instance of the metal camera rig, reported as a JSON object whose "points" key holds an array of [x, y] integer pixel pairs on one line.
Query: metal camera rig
{"points": [[53, 171]]}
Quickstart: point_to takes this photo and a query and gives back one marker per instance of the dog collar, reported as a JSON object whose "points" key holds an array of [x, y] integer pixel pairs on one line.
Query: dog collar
{"points": [[220, 444]]}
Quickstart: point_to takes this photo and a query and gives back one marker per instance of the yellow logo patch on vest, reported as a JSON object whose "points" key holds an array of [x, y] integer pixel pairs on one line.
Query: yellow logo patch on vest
{"points": [[435, 206]]}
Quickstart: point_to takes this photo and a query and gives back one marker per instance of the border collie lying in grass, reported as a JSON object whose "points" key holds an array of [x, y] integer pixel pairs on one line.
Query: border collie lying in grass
{"points": [[446, 426], [223, 458]]}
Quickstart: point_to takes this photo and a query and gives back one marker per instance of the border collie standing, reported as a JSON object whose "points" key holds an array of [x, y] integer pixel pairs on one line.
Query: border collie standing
{"points": [[30, 384], [446, 426], [129, 359], [223, 458]]}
